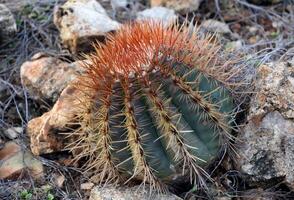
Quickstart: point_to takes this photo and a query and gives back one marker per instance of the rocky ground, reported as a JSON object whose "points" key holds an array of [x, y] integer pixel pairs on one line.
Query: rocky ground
{"points": [[41, 43]]}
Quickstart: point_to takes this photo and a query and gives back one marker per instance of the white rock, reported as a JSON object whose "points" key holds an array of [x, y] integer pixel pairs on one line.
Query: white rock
{"points": [[7, 22], [82, 22], [13, 133], [167, 16], [215, 26]]}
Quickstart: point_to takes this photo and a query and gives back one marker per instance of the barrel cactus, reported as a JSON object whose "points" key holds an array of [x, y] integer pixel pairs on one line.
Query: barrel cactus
{"points": [[156, 105]]}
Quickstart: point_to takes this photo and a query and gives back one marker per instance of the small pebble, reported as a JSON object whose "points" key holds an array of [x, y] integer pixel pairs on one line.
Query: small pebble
{"points": [[87, 186], [59, 180], [13, 132]]}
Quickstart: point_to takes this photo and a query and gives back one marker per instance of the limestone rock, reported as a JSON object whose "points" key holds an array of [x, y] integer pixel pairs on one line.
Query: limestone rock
{"points": [[125, 193], [45, 131], [268, 138], [181, 6], [82, 22], [215, 26], [14, 161], [167, 16], [45, 77], [7, 22]]}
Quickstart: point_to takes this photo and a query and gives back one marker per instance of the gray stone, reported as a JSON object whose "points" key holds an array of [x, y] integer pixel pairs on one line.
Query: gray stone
{"points": [[267, 153], [215, 26], [7, 22], [165, 15], [126, 193]]}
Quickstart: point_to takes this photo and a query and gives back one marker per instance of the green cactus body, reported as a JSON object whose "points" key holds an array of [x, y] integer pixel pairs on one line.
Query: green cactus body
{"points": [[156, 123]]}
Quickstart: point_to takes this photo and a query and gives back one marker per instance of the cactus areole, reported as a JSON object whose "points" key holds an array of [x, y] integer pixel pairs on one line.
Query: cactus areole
{"points": [[156, 106]]}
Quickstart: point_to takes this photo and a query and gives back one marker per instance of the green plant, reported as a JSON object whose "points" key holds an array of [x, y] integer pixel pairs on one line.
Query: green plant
{"points": [[50, 196], [46, 190], [43, 192], [26, 195], [156, 105]]}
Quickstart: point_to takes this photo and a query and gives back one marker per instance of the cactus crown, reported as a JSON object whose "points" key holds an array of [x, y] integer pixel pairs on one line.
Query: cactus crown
{"points": [[156, 105]]}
